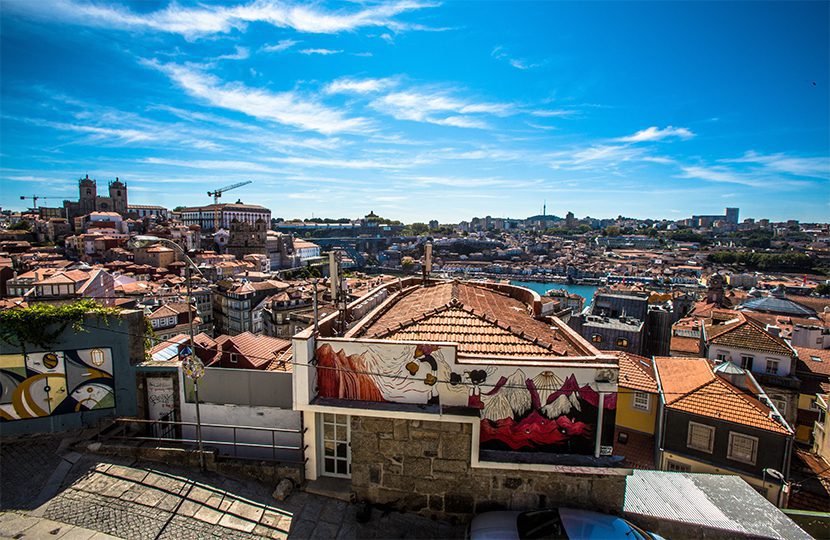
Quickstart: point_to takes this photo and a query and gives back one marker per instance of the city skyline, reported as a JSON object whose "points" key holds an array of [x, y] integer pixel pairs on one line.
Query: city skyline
{"points": [[420, 110]]}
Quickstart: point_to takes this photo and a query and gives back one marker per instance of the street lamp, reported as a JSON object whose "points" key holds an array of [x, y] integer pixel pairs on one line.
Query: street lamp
{"points": [[778, 476], [191, 366]]}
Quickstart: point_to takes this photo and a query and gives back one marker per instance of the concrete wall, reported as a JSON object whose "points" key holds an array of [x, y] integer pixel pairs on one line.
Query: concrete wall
{"points": [[244, 415], [424, 466], [124, 336], [244, 387]]}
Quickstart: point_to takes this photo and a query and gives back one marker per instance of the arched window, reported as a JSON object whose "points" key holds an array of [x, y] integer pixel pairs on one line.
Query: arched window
{"points": [[596, 338], [622, 342], [89, 192]]}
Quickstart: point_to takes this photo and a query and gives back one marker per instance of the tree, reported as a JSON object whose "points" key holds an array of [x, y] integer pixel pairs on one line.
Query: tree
{"points": [[823, 289], [21, 225], [611, 230], [416, 229]]}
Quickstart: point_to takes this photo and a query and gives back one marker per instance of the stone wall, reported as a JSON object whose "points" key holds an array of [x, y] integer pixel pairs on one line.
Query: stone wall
{"points": [[425, 467]]}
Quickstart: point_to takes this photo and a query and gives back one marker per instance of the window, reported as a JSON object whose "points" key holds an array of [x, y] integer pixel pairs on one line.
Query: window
{"points": [[742, 448], [746, 361], [233, 358], [700, 437], [814, 405], [780, 404], [816, 358], [676, 466], [722, 356], [772, 367], [622, 342], [642, 401], [596, 338]]}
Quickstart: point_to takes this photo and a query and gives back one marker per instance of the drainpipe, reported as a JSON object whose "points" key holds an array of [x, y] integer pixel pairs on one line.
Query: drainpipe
{"points": [[598, 442]]}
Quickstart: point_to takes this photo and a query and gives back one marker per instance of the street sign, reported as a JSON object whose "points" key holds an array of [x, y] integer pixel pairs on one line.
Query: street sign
{"points": [[191, 365]]}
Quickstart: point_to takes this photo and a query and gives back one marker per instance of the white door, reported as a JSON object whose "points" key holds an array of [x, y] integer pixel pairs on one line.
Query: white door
{"points": [[335, 451]]}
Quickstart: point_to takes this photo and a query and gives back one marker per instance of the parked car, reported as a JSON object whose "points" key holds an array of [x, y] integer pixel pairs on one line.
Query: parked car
{"points": [[554, 524]]}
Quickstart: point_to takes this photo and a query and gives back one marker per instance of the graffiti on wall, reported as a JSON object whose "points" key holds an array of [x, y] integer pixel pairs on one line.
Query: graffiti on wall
{"points": [[393, 372], [527, 408], [42, 384], [543, 413]]}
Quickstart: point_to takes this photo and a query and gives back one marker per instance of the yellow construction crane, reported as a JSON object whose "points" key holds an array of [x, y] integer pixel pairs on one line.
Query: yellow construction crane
{"points": [[218, 193]]}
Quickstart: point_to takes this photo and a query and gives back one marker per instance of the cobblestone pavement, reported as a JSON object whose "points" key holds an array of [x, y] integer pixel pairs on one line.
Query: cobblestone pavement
{"points": [[154, 501], [25, 466]]}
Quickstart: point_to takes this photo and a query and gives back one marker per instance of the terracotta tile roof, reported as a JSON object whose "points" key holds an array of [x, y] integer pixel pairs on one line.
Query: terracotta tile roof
{"points": [[687, 345], [690, 385], [806, 364], [260, 351], [637, 373], [746, 334], [481, 320], [638, 450]]}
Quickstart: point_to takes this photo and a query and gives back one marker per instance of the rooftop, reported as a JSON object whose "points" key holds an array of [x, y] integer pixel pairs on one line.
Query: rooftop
{"points": [[745, 333], [690, 385], [483, 319]]}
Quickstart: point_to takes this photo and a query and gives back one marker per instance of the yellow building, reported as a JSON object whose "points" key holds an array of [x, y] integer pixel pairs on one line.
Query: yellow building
{"points": [[637, 403]]}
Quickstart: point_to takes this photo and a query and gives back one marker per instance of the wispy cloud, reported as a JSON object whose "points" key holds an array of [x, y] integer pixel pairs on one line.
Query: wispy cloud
{"points": [[499, 53], [203, 20], [654, 133], [359, 86], [241, 54], [323, 52], [720, 174], [288, 108], [438, 107], [814, 167], [280, 46]]}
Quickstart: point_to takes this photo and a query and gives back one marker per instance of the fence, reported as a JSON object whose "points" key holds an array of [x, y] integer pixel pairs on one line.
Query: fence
{"points": [[241, 442]]}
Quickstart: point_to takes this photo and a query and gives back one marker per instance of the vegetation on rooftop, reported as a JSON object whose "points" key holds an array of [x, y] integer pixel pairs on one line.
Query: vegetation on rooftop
{"points": [[42, 324]]}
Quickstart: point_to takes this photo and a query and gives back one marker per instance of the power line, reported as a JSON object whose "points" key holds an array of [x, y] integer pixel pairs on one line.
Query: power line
{"points": [[294, 362]]}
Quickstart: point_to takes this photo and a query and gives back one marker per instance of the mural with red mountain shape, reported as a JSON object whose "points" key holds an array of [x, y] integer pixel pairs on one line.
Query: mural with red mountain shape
{"points": [[540, 415]]}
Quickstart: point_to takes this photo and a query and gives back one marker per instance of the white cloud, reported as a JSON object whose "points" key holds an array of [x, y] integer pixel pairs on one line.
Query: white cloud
{"points": [[241, 54], [719, 174], [359, 86], [499, 53], [204, 19], [324, 52], [437, 107], [654, 133], [287, 108], [282, 45], [814, 167]]}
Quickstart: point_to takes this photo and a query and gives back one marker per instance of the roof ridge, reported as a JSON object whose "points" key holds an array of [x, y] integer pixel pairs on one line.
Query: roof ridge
{"points": [[693, 390]]}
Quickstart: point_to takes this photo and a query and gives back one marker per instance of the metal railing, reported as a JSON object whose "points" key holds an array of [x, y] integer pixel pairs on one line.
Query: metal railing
{"points": [[164, 430]]}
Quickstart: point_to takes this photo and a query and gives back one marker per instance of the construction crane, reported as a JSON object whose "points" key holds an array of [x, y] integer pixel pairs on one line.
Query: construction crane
{"points": [[35, 199], [218, 193]]}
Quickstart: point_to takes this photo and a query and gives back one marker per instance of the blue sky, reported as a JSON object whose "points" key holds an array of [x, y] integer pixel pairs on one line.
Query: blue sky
{"points": [[423, 110]]}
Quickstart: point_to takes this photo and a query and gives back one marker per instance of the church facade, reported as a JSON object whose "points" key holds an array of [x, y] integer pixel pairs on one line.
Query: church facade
{"points": [[90, 201]]}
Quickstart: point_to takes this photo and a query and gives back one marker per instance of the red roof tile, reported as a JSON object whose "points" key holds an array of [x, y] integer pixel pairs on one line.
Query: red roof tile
{"points": [[637, 373], [690, 385]]}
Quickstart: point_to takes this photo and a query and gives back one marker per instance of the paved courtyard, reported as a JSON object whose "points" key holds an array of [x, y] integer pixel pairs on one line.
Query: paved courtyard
{"points": [[137, 500]]}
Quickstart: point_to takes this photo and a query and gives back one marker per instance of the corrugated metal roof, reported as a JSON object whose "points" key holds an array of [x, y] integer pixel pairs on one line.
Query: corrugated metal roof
{"points": [[716, 501]]}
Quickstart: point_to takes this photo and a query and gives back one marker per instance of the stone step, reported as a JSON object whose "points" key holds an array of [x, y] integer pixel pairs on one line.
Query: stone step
{"points": [[334, 488]]}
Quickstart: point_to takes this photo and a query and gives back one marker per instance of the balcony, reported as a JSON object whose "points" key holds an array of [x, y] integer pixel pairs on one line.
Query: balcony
{"points": [[780, 381]]}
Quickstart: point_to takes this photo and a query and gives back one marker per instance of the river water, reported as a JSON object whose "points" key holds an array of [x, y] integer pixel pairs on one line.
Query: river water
{"points": [[585, 291]]}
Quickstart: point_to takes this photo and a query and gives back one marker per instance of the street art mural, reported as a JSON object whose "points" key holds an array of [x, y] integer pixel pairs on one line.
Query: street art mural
{"points": [[526, 409], [36, 385], [544, 413]]}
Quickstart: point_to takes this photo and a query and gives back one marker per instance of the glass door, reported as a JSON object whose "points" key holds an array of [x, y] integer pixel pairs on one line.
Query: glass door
{"points": [[335, 449]]}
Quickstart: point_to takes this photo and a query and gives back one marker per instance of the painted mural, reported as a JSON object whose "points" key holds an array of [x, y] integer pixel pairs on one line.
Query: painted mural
{"points": [[543, 413], [526, 409], [42, 384]]}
